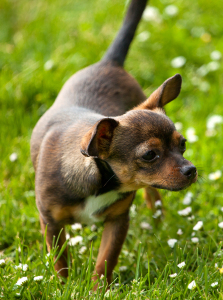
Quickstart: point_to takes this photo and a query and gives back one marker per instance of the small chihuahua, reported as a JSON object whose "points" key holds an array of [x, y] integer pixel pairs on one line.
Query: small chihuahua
{"points": [[100, 142]]}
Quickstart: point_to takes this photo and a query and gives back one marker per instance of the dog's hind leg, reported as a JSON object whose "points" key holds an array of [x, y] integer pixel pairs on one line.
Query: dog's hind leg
{"points": [[151, 196], [59, 234]]}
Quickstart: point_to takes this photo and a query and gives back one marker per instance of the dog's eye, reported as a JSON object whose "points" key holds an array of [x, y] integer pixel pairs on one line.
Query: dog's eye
{"points": [[149, 156], [183, 145]]}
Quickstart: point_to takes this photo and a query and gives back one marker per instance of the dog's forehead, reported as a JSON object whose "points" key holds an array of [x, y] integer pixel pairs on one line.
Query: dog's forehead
{"points": [[146, 122]]}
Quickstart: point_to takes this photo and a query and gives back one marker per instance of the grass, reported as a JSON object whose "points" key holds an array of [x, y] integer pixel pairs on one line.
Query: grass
{"points": [[42, 44]]}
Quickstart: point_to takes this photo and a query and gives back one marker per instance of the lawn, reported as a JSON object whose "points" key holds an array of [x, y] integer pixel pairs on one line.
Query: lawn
{"points": [[42, 43]]}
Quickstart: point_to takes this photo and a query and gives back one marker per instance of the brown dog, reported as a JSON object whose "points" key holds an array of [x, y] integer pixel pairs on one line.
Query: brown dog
{"points": [[88, 165]]}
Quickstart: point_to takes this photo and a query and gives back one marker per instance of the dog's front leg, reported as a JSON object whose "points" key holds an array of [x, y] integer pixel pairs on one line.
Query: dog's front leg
{"points": [[113, 237], [53, 230]]}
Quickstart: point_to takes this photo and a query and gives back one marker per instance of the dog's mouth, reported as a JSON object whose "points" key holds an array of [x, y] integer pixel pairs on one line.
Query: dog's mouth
{"points": [[176, 187]]}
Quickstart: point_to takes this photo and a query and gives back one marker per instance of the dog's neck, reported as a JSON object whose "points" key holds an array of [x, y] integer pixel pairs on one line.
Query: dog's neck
{"points": [[109, 180]]}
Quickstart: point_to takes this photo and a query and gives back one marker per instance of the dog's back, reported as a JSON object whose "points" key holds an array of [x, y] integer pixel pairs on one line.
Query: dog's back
{"points": [[104, 87]]}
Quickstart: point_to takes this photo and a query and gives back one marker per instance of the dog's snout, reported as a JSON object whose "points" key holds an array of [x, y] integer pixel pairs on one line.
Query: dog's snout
{"points": [[189, 171]]}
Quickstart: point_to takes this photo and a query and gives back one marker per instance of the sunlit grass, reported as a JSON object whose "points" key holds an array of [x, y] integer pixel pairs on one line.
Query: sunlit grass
{"points": [[42, 44]]}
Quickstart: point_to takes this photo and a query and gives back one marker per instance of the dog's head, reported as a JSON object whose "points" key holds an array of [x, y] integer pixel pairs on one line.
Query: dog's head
{"points": [[142, 146]]}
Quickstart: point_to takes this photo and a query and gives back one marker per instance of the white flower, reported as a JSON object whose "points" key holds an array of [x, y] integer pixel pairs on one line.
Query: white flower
{"points": [[216, 266], [220, 225], [151, 14], [38, 278], [133, 210], [215, 55], [191, 218], [2, 263], [82, 250], [214, 176], [185, 212], [123, 268], [213, 66], [188, 198], [213, 121], [191, 136], [181, 265], [214, 284], [67, 236], [192, 285], [107, 294], [171, 10], [76, 240], [158, 203], [173, 275], [22, 267], [172, 242], [198, 226], [178, 126], [13, 157], [143, 36], [195, 240], [157, 214], [179, 231], [178, 62], [145, 225], [49, 65], [76, 226], [22, 281]]}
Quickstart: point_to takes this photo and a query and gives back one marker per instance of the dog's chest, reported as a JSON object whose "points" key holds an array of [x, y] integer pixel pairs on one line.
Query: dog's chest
{"points": [[94, 207]]}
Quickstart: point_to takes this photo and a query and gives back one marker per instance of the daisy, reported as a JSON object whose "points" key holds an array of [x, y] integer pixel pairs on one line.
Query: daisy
{"points": [[214, 284], [173, 275], [76, 226], [195, 240], [178, 62], [191, 136], [198, 226], [76, 240], [188, 198], [185, 212], [13, 157], [192, 285], [215, 176], [171, 10], [22, 281], [172, 242], [181, 265], [38, 278]]}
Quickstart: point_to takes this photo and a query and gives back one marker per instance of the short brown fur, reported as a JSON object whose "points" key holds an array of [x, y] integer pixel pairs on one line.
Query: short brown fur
{"points": [[89, 166]]}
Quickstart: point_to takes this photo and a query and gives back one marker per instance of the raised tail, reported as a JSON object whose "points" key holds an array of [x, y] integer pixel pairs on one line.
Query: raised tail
{"points": [[119, 48]]}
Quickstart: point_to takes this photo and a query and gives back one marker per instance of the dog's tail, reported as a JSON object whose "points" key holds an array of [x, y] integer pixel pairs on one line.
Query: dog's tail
{"points": [[119, 48]]}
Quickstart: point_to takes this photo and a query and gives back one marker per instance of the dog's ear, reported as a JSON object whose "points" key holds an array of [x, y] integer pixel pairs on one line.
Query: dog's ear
{"points": [[97, 140], [167, 92]]}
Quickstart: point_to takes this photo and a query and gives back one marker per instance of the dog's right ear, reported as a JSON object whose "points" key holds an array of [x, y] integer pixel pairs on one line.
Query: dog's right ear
{"points": [[96, 142], [167, 92]]}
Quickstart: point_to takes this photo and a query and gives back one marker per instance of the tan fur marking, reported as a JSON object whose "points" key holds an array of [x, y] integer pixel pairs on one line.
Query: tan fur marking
{"points": [[60, 212]]}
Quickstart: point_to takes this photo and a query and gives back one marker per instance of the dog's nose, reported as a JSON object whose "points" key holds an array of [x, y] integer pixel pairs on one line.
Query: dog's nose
{"points": [[189, 171]]}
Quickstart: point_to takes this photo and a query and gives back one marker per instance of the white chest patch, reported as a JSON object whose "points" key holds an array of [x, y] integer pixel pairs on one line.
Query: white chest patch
{"points": [[94, 204]]}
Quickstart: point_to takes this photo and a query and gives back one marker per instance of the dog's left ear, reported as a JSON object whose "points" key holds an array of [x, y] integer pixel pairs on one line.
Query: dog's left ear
{"points": [[97, 141], [167, 92]]}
